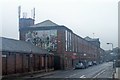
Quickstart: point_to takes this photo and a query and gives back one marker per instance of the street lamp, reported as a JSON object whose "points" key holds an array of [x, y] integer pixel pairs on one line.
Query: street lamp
{"points": [[113, 60], [112, 48], [112, 45]]}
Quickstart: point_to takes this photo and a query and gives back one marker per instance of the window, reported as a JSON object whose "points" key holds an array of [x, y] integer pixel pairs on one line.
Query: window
{"points": [[66, 40], [70, 42]]}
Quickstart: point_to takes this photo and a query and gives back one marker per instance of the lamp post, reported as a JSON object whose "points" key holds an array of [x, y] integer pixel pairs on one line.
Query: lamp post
{"points": [[113, 60], [112, 49], [112, 45]]}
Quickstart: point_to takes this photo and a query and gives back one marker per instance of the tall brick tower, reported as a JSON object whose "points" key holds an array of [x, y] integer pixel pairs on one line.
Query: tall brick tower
{"points": [[24, 22]]}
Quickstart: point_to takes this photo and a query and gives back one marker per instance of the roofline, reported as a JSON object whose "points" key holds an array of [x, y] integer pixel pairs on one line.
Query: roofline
{"points": [[44, 28], [43, 22], [46, 52], [23, 52]]}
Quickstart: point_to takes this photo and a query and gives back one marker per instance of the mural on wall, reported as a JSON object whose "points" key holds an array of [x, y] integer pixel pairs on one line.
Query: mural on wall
{"points": [[46, 39]]}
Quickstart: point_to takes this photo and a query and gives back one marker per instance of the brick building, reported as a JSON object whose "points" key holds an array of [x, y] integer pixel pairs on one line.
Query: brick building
{"points": [[25, 22], [68, 47], [100, 51], [94, 41], [20, 57]]}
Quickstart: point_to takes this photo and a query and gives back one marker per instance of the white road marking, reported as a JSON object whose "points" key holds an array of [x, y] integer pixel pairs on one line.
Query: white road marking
{"points": [[83, 76], [99, 73]]}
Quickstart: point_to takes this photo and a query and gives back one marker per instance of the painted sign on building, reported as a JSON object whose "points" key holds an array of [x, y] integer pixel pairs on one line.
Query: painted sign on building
{"points": [[46, 39]]}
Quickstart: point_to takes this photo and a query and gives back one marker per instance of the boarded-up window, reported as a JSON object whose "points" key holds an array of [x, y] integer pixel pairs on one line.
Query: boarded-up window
{"points": [[36, 66], [11, 63], [25, 63], [18, 63], [42, 60], [4, 66]]}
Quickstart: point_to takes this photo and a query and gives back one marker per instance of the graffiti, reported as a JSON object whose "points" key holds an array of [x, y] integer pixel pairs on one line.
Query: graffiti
{"points": [[45, 39]]}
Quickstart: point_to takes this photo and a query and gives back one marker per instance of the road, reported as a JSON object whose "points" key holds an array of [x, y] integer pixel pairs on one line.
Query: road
{"points": [[104, 70]]}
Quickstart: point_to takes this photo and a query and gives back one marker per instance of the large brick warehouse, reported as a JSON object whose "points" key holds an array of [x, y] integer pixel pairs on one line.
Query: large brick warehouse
{"points": [[20, 57], [68, 47]]}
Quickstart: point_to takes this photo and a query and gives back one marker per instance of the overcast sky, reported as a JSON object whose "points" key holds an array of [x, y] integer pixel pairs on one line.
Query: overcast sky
{"points": [[84, 17]]}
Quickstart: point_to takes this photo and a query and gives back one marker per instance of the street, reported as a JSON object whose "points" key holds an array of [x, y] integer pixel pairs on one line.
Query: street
{"points": [[97, 71]]}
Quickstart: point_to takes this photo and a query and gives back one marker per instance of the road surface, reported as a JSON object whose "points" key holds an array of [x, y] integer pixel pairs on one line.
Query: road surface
{"points": [[104, 70]]}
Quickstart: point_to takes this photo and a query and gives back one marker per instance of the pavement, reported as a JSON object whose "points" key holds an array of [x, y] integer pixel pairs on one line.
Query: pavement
{"points": [[41, 74], [31, 76]]}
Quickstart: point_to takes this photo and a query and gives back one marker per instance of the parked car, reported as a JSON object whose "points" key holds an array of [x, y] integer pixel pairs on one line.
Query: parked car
{"points": [[85, 63], [94, 63], [90, 63], [79, 65]]}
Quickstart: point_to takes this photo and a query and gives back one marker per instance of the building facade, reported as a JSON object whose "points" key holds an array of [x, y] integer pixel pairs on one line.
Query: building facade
{"points": [[68, 47], [94, 41], [24, 22]]}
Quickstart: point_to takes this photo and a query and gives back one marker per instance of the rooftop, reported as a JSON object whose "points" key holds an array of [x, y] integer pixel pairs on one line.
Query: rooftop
{"points": [[45, 23], [13, 45], [91, 39]]}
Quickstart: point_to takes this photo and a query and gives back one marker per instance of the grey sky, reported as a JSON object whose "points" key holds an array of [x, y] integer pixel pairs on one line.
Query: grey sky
{"points": [[84, 17]]}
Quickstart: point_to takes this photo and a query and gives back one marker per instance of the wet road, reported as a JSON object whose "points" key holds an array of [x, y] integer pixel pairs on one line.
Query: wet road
{"points": [[104, 70]]}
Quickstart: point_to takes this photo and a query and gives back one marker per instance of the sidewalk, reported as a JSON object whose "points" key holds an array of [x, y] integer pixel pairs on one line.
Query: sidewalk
{"points": [[39, 75], [31, 75]]}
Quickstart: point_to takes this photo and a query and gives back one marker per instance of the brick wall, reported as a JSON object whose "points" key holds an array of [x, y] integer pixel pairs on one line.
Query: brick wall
{"points": [[21, 63], [60, 48]]}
